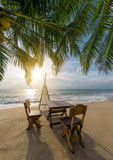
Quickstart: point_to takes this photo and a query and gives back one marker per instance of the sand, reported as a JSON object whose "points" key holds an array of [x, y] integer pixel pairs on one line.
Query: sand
{"points": [[16, 143]]}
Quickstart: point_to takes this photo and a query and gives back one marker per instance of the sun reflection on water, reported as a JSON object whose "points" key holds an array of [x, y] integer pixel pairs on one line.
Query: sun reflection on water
{"points": [[31, 93]]}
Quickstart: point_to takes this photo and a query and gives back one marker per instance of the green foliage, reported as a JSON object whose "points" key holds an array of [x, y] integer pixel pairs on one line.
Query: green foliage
{"points": [[58, 29], [98, 48]]}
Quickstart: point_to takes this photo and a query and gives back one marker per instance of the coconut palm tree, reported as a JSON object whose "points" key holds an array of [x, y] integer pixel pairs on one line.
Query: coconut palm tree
{"points": [[59, 29], [26, 41], [92, 27], [50, 31]]}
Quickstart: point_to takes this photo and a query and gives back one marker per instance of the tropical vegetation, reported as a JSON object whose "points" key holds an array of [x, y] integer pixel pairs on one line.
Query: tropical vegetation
{"points": [[31, 30]]}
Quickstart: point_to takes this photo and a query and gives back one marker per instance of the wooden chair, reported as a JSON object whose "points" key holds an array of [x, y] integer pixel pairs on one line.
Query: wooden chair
{"points": [[32, 115], [73, 123]]}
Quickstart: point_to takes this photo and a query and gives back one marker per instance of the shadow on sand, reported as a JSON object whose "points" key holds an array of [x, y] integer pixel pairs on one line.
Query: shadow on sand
{"points": [[37, 149], [92, 150]]}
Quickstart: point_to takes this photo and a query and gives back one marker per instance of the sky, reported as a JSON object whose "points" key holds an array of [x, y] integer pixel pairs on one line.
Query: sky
{"points": [[70, 77]]}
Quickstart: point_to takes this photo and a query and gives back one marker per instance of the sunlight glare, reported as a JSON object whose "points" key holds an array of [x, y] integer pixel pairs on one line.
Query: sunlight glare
{"points": [[30, 93], [37, 73]]}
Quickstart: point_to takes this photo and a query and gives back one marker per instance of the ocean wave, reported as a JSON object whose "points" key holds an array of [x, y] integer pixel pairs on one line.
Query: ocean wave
{"points": [[18, 97]]}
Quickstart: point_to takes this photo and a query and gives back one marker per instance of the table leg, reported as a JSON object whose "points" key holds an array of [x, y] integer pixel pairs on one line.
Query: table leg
{"points": [[48, 115], [50, 118]]}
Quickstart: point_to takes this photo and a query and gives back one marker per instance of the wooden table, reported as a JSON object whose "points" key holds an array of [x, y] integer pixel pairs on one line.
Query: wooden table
{"points": [[54, 106]]}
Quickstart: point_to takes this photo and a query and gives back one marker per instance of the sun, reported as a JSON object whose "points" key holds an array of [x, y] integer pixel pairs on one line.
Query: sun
{"points": [[37, 73]]}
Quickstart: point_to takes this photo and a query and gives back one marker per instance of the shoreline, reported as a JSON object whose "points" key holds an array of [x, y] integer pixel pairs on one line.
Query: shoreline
{"points": [[16, 97], [15, 105]]}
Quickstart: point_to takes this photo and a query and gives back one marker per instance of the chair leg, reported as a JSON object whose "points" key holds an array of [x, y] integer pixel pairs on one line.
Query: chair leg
{"points": [[64, 133], [80, 138], [69, 142], [38, 124], [30, 124], [33, 121]]}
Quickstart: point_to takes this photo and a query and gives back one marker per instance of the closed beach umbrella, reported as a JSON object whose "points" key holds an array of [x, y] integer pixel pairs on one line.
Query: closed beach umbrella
{"points": [[44, 95]]}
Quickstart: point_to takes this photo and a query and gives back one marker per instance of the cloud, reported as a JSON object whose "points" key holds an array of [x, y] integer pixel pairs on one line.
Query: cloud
{"points": [[70, 76], [76, 79]]}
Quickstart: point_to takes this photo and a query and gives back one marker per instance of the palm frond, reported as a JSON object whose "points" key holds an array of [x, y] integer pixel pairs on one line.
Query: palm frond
{"points": [[3, 61], [92, 46], [59, 29], [104, 60]]}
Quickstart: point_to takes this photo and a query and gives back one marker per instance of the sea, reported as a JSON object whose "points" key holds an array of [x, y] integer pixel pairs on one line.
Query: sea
{"points": [[10, 98]]}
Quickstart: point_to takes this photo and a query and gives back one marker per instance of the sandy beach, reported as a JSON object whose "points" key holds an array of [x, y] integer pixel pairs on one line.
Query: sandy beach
{"points": [[16, 143]]}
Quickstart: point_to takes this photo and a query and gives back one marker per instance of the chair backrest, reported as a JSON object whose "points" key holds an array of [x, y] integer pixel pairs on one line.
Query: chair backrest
{"points": [[77, 110], [27, 107]]}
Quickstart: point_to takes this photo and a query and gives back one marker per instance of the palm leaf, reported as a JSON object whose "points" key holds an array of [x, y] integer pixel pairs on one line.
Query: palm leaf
{"points": [[92, 46]]}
